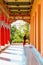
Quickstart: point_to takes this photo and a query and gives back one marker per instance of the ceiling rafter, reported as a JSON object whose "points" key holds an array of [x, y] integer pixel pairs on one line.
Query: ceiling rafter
{"points": [[18, 8], [20, 19], [21, 8], [25, 14], [13, 12], [18, 3]]}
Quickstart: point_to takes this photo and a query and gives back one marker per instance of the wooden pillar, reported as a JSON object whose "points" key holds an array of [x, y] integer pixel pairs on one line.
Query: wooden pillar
{"points": [[2, 35], [39, 28], [9, 35], [35, 29], [6, 35], [2, 17]]}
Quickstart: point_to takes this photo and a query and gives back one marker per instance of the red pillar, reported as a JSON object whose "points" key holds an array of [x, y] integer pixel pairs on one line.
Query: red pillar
{"points": [[6, 19], [8, 22], [2, 17], [5, 30], [2, 36], [9, 35], [6, 36], [0, 31], [8, 31]]}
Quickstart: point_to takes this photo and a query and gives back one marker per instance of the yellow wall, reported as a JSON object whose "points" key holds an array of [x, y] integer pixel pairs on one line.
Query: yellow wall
{"points": [[36, 32]]}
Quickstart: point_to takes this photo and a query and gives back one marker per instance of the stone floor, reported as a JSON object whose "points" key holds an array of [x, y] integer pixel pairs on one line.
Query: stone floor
{"points": [[19, 55]]}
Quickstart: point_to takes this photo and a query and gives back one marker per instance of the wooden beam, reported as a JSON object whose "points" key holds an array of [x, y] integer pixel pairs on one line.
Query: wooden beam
{"points": [[20, 14], [18, 3], [13, 12], [4, 9], [21, 17], [20, 8], [17, 0], [28, 21]]}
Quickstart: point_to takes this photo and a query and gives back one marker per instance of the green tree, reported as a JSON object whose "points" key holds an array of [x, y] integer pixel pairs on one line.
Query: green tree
{"points": [[18, 34]]}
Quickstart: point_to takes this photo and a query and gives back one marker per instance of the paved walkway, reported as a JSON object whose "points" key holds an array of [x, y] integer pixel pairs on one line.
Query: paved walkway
{"points": [[19, 55]]}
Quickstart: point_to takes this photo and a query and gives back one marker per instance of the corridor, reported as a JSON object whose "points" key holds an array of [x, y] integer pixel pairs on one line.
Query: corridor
{"points": [[19, 55], [30, 11]]}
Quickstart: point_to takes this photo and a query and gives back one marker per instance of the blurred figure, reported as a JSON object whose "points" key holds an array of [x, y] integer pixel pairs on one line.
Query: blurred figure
{"points": [[24, 40]]}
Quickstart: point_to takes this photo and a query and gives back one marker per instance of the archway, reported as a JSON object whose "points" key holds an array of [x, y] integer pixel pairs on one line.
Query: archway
{"points": [[18, 29]]}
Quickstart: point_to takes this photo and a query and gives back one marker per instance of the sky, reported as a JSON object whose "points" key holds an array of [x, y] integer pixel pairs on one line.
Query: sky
{"points": [[18, 23]]}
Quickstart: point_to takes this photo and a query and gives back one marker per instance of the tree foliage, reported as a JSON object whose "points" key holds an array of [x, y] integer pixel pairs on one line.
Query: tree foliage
{"points": [[18, 34]]}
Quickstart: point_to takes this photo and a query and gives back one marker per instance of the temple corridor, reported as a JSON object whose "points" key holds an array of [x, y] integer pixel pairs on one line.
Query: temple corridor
{"points": [[30, 11], [19, 55]]}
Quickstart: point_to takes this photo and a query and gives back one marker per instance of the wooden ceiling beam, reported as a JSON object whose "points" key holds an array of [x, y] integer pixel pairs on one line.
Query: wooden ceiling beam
{"points": [[20, 19], [4, 9], [18, 3], [25, 14], [12, 6], [19, 8], [17, 0], [13, 12], [22, 14]]}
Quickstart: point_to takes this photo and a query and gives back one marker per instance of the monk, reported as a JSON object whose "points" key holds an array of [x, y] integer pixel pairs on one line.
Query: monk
{"points": [[24, 40]]}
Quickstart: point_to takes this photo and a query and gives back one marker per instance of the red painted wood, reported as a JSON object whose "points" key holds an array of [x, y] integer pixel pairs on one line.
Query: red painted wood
{"points": [[2, 16], [8, 21], [5, 19], [6, 36], [9, 35], [2, 36]]}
